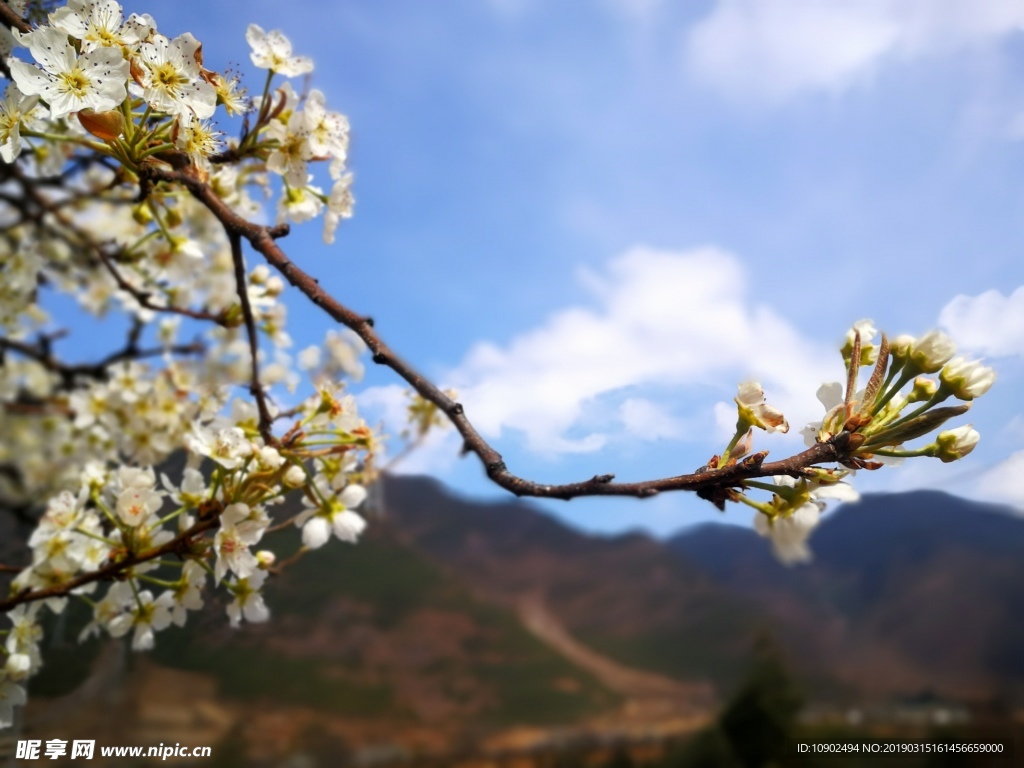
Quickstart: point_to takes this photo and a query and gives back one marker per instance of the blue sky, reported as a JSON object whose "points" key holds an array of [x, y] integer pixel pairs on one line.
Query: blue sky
{"points": [[596, 218]]}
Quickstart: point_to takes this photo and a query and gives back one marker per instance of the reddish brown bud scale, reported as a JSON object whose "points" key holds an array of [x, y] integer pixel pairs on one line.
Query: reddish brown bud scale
{"points": [[107, 126]]}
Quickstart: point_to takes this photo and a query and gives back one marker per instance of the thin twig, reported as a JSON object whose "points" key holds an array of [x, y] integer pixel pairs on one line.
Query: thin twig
{"points": [[140, 295], [255, 387], [98, 370]]}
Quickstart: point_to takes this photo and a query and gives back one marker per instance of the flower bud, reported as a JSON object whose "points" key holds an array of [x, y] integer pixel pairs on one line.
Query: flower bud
{"points": [[868, 351], [956, 443], [275, 285], [265, 559], [259, 274], [967, 379], [932, 351], [233, 317], [18, 666], [269, 458], [172, 216], [900, 347], [142, 214], [923, 390], [294, 477]]}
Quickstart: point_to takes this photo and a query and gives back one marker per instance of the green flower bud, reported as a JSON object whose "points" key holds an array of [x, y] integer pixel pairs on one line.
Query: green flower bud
{"points": [[923, 390], [967, 379], [932, 351], [956, 443]]}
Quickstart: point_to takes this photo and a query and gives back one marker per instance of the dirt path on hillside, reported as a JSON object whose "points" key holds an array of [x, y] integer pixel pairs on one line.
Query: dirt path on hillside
{"points": [[649, 697]]}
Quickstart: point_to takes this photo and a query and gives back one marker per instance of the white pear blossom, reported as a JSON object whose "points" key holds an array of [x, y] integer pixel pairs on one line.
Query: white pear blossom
{"points": [[14, 109], [63, 513], [192, 490], [137, 506], [25, 635], [188, 595], [900, 347], [830, 395], [799, 512], [268, 457], [789, 533], [171, 79], [198, 139], [272, 50], [130, 381], [113, 605], [327, 131], [230, 95], [98, 23], [339, 206], [240, 528], [300, 204], [338, 518], [266, 559], [248, 602], [309, 358], [867, 331], [11, 695], [66, 81], [292, 151], [146, 616], [228, 446], [344, 349], [756, 412]]}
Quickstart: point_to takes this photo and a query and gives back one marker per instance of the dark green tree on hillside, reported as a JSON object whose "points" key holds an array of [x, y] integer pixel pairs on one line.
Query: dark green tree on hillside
{"points": [[760, 720]]}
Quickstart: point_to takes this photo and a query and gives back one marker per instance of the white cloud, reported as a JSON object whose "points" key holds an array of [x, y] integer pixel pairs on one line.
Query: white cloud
{"points": [[773, 49], [1015, 127], [988, 324], [1004, 481], [650, 421], [659, 319]]}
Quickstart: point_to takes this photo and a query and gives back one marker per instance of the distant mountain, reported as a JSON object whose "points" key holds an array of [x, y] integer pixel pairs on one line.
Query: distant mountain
{"points": [[379, 631], [454, 619], [627, 596], [915, 590]]}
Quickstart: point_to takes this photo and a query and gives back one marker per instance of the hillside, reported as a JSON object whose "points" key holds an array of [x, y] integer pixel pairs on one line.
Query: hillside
{"points": [[458, 623], [914, 591]]}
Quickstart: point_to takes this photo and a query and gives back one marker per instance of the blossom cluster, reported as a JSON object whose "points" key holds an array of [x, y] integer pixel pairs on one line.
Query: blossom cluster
{"points": [[149, 529], [97, 104], [898, 404], [147, 96]]}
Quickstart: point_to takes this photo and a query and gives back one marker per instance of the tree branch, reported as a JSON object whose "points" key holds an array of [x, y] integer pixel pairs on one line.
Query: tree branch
{"points": [[180, 544], [98, 370], [263, 239], [141, 296], [12, 20], [255, 387]]}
